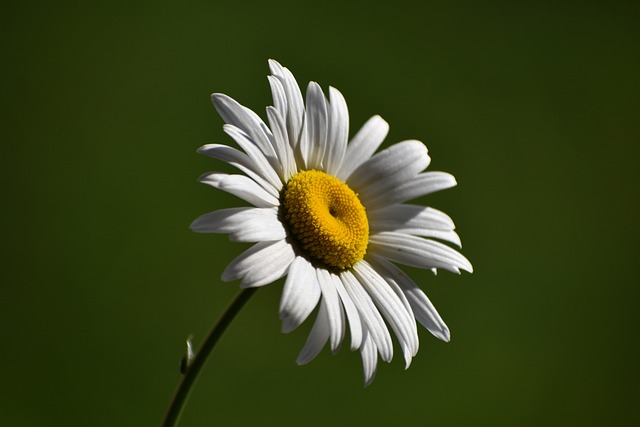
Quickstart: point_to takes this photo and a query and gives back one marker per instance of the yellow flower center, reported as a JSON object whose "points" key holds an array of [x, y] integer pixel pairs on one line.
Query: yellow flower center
{"points": [[326, 219]]}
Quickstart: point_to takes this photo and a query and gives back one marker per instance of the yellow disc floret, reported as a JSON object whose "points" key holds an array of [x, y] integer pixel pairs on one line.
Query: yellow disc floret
{"points": [[326, 219]]}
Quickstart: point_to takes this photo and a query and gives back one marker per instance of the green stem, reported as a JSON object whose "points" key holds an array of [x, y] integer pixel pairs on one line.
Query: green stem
{"points": [[191, 375]]}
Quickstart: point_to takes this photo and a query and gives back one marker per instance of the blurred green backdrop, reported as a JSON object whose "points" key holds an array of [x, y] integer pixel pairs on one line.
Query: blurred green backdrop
{"points": [[533, 106]]}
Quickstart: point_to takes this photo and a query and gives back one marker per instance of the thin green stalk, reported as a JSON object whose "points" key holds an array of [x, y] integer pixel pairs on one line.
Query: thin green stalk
{"points": [[191, 375]]}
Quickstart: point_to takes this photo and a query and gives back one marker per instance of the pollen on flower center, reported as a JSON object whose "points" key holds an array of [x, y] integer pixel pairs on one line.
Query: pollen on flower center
{"points": [[326, 218]]}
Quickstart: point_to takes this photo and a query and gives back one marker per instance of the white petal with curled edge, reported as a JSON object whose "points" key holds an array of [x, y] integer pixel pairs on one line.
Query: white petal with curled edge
{"points": [[317, 337], [314, 144], [242, 224], [240, 186], [418, 226], [300, 294], [369, 354], [421, 185], [338, 132], [355, 325], [417, 252], [390, 218], [284, 150], [244, 119], [295, 104], [261, 264], [241, 161], [266, 169], [279, 95], [363, 145], [334, 309], [391, 166]]}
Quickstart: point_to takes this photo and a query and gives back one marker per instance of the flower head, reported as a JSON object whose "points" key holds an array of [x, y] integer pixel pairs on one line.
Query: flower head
{"points": [[330, 215]]}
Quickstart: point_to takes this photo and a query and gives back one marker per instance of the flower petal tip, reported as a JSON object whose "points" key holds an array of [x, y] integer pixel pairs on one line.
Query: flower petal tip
{"points": [[288, 325]]}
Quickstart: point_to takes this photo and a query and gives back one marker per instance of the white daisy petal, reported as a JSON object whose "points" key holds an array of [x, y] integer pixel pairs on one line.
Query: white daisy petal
{"points": [[317, 337], [369, 359], [420, 185], [363, 145], [418, 252], [447, 236], [315, 125], [355, 326], [241, 161], [242, 224], [300, 294], [391, 307], [390, 167], [396, 217], [414, 220], [240, 186], [259, 159], [284, 150], [334, 309], [294, 114], [338, 132], [261, 264], [248, 122], [369, 315], [423, 310], [279, 95]]}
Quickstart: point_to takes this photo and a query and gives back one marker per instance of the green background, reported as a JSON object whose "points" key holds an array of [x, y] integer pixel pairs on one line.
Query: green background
{"points": [[533, 106]]}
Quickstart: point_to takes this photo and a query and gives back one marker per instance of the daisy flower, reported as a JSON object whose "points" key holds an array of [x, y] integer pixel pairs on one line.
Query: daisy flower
{"points": [[329, 214]]}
